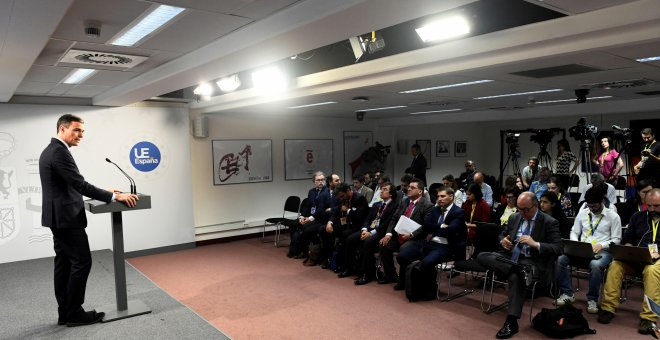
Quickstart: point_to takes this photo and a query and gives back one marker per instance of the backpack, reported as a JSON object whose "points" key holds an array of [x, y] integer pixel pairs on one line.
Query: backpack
{"points": [[419, 285], [563, 322]]}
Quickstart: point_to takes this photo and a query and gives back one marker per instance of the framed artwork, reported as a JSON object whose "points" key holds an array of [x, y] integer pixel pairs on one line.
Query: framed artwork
{"points": [[356, 160], [425, 145], [442, 148], [460, 148], [242, 161], [304, 157]]}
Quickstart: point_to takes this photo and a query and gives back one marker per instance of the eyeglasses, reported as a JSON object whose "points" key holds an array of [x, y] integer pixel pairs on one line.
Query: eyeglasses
{"points": [[526, 210], [511, 197]]}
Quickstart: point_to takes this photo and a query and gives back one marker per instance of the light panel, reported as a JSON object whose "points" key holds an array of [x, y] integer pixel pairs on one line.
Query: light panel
{"points": [[310, 105], [384, 108], [78, 76], [570, 100], [155, 19], [646, 60], [448, 86], [438, 111], [518, 94], [229, 84], [444, 29], [269, 80]]}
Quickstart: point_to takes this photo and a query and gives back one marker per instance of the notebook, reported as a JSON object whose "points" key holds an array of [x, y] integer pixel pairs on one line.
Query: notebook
{"points": [[579, 249], [631, 254]]}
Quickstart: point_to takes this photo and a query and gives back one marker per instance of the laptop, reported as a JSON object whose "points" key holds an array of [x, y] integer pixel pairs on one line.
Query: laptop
{"points": [[579, 249], [631, 254]]}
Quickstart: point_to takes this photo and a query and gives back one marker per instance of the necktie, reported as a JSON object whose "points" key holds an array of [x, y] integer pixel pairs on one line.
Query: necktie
{"points": [[442, 216], [515, 252], [410, 209]]}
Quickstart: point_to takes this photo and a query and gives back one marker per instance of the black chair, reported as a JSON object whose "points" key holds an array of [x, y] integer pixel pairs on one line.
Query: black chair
{"points": [[433, 191], [291, 205], [485, 240]]}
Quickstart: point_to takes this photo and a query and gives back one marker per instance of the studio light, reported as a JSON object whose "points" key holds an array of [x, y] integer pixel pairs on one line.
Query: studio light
{"points": [[269, 80], [203, 91], [79, 75], [444, 29], [229, 84]]}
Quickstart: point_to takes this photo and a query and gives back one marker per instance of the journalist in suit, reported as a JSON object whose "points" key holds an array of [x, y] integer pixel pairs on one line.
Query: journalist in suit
{"points": [[63, 188], [535, 237]]}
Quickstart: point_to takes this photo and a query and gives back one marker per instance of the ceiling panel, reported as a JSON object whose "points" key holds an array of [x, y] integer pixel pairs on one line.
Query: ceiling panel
{"points": [[222, 7], [110, 78], [258, 9], [86, 90], [46, 74], [34, 88]]}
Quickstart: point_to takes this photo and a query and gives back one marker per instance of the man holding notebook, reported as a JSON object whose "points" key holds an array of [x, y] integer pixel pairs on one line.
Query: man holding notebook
{"points": [[598, 226], [642, 232]]}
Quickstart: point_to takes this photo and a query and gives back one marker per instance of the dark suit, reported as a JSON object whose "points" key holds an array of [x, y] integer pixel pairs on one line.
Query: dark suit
{"points": [[367, 263], [358, 209], [546, 232], [418, 167], [419, 213], [318, 203], [63, 212], [431, 252]]}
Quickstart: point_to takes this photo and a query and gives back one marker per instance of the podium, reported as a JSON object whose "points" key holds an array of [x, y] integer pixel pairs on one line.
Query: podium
{"points": [[123, 309]]}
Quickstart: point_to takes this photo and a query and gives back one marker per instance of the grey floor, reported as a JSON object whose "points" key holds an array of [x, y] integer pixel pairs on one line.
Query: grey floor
{"points": [[28, 309]]}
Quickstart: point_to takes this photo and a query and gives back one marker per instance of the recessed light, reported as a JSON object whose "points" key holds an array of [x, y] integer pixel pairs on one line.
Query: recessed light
{"points": [[310, 105], [518, 94], [384, 108], [152, 20], [645, 60], [570, 100], [78, 75], [444, 29], [448, 110], [448, 86]]}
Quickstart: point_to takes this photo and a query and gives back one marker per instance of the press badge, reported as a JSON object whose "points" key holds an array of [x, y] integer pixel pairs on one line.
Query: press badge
{"points": [[653, 248], [374, 224], [313, 210]]}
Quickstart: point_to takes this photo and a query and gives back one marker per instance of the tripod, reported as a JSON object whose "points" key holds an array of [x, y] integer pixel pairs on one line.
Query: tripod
{"points": [[514, 154], [545, 160], [585, 157]]}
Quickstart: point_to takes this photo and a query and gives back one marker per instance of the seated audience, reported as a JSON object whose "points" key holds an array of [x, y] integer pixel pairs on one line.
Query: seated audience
{"points": [[637, 203], [541, 185], [504, 211], [465, 179], [373, 230], [486, 190], [509, 183], [640, 233], [531, 240], [598, 226], [446, 238], [476, 209], [358, 186], [597, 180], [550, 205], [450, 181], [530, 173], [555, 186], [314, 216]]}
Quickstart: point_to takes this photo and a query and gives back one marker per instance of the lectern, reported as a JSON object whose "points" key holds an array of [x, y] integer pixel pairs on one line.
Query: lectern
{"points": [[123, 309]]}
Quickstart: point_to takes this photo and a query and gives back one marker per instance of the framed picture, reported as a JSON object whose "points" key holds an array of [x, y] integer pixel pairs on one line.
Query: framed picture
{"points": [[442, 148], [304, 157], [242, 161], [460, 148], [425, 145], [356, 160]]}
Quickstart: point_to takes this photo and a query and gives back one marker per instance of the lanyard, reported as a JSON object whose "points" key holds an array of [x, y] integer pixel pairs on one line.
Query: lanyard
{"points": [[505, 216], [648, 146], [474, 206], [592, 227], [655, 229]]}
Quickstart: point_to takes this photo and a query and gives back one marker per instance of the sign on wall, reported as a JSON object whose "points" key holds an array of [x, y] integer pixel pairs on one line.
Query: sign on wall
{"points": [[242, 161], [303, 157]]}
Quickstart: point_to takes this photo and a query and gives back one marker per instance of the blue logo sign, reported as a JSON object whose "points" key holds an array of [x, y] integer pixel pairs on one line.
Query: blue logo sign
{"points": [[145, 156]]}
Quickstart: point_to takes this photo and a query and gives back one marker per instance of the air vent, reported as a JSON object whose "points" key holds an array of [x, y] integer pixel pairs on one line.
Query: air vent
{"points": [[620, 84], [506, 108], [557, 71], [95, 58]]}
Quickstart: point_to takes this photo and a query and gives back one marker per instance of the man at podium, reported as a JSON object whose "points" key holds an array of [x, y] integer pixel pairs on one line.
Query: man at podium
{"points": [[63, 212]]}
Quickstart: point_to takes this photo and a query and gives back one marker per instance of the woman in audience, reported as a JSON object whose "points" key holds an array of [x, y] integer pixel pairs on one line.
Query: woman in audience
{"points": [[504, 211], [555, 186], [606, 159], [450, 181], [549, 204], [565, 157], [519, 183], [637, 203], [476, 209]]}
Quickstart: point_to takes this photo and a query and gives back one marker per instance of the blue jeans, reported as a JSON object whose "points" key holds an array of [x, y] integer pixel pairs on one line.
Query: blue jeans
{"points": [[596, 269]]}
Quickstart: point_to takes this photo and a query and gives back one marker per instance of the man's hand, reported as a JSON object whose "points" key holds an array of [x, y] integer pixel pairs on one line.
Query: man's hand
{"points": [[528, 240], [303, 220], [597, 248], [506, 243], [385, 240], [128, 199], [364, 235], [655, 256], [405, 237]]}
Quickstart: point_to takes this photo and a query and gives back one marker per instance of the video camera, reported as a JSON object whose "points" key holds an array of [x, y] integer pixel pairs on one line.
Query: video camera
{"points": [[583, 131], [542, 137]]}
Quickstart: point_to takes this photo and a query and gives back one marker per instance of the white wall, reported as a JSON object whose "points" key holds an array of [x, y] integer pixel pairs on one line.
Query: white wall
{"points": [[25, 130]]}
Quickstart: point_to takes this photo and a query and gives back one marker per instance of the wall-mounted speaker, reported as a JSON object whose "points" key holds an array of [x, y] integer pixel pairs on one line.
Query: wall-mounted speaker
{"points": [[200, 127]]}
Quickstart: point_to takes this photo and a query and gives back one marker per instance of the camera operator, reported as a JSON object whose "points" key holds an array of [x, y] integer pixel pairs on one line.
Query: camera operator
{"points": [[649, 166], [530, 173]]}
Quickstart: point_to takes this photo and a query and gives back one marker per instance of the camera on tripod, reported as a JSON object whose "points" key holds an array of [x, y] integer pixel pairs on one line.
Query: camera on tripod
{"points": [[542, 137], [512, 138], [583, 131]]}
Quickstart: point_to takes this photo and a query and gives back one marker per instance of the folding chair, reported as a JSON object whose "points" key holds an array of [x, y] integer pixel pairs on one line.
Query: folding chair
{"points": [[291, 205]]}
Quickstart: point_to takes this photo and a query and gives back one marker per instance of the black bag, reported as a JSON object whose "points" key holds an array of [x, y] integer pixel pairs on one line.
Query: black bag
{"points": [[561, 323], [420, 286], [295, 246]]}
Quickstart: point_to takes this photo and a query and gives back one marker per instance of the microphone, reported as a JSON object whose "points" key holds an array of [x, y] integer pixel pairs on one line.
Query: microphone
{"points": [[133, 186], [618, 128]]}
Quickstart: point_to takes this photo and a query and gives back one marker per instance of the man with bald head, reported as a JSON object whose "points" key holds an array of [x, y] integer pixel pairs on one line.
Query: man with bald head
{"points": [[531, 239], [486, 190], [466, 178]]}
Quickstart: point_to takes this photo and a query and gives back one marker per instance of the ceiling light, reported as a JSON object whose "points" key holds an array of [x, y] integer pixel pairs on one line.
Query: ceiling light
{"points": [[228, 84], [448, 110], [310, 105], [570, 100], [360, 99], [150, 21], [646, 60], [444, 29], [448, 86], [269, 79], [384, 108], [204, 90], [518, 94], [78, 75]]}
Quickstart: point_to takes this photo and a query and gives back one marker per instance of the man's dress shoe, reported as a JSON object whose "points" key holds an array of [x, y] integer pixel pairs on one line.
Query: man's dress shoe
{"points": [[85, 318], [361, 281], [507, 331]]}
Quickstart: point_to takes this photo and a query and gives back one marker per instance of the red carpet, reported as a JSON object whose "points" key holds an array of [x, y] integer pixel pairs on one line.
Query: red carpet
{"points": [[251, 290]]}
